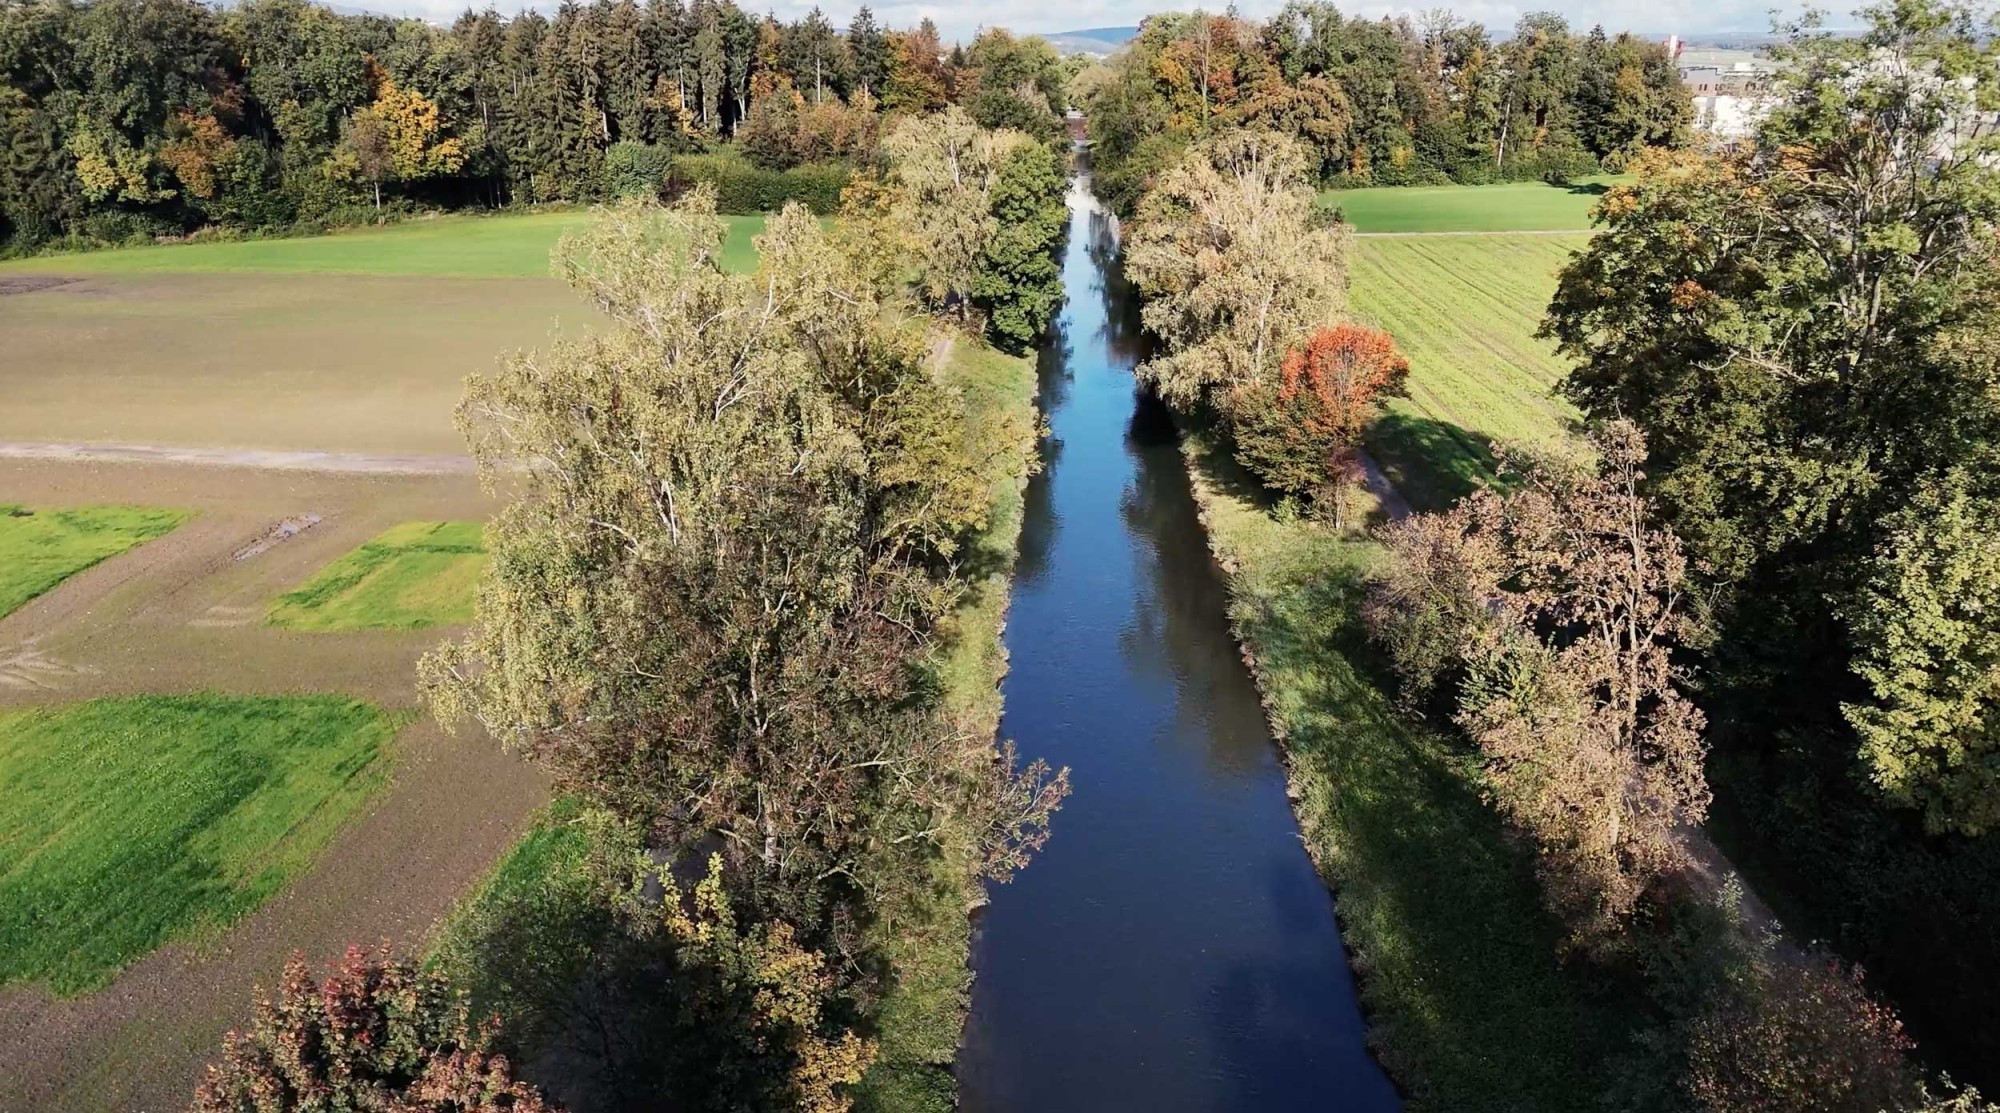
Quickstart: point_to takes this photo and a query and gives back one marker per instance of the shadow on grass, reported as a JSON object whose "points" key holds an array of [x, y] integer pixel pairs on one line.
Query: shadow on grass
{"points": [[1433, 463], [1589, 189]]}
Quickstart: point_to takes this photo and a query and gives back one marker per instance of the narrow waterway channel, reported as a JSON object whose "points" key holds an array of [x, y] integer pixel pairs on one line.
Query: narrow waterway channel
{"points": [[1172, 948]]}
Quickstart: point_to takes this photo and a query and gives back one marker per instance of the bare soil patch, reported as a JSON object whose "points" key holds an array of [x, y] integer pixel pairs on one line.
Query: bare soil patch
{"points": [[161, 618], [342, 364], [29, 283]]}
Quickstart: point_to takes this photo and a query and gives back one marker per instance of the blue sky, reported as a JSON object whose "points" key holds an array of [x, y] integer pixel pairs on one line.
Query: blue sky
{"points": [[1044, 16]]}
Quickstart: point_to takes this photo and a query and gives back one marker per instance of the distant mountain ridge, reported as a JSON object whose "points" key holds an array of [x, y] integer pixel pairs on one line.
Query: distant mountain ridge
{"points": [[1091, 40]]}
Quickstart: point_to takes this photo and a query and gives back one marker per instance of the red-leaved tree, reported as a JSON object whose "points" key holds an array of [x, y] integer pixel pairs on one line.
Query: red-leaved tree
{"points": [[1301, 436], [377, 1034]]}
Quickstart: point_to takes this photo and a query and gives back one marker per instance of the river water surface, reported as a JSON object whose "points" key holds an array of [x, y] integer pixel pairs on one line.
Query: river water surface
{"points": [[1172, 947]]}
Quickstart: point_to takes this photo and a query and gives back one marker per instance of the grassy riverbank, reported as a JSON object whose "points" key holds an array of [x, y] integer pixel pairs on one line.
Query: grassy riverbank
{"points": [[523, 938], [1468, 1006]]}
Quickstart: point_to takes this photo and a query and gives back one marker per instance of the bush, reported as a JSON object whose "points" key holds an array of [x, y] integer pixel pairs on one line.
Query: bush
{"points": [[637, 169], [746, 189], [377, 1034], [1804, 1037]]}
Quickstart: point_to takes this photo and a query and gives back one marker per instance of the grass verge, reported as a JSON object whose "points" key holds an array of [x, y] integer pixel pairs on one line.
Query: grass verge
{"points": [[416, 575], [502, 246], [129, 823], [41, 548], [1468, 1006]]}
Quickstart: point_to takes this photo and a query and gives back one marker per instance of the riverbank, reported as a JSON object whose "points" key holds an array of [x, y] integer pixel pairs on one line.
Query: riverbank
{"points": [[1468, 1006]]}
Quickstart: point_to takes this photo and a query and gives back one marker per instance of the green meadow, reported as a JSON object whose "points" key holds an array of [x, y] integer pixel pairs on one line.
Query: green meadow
{"points": [[126, 824], [497, 246], [41, 548], [416, 575], [1508, 207], [1464, 309]]}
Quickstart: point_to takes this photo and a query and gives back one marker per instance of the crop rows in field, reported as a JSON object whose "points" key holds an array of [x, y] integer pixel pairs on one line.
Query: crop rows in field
{"points": [[1464, 309]]}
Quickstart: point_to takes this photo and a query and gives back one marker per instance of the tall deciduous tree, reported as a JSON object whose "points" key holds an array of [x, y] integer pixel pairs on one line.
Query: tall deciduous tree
{"points": [[945, 169], [1572, 601], [1234, 266], [728, 550]]}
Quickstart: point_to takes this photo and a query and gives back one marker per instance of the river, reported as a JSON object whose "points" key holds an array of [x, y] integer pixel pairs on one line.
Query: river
{"points": [[1172, 948]]}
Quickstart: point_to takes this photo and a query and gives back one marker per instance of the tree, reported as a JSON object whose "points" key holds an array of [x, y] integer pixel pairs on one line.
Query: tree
{"points": [[1801, 1035], [729, 551], [1928, 622], [1018, 283], [378, 1033], [1807, 364], [1572, 604], [1302, 436], [398, 138], [1233, 265], [915, 82], [946, 168], [870, 49]]}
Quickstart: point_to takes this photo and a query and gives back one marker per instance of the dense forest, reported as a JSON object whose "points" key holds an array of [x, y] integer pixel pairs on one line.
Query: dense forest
{"points": [[129, 119], [1384, 101]]}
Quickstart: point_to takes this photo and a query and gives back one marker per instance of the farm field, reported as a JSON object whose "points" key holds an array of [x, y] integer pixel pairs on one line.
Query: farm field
{"points": [[125, 823], [40, 548], [508, 245], [181, 618], [1464, 309], [416, 575], [1508, 207]]}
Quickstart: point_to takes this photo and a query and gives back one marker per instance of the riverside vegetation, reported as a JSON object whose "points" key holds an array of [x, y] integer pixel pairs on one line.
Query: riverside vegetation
{"points": [[1529, 692]]}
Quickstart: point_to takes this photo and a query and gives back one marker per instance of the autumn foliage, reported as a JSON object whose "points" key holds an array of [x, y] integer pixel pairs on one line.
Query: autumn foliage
{"points": [[1300, 436], [377, 1034]]}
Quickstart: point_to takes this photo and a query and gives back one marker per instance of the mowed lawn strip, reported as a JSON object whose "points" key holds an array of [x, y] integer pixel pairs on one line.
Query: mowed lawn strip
{"points": [[416, 575], [129, 823], [1508, 207], [1468, 1004], [41, 548], [500, 246], [1464, 309]]}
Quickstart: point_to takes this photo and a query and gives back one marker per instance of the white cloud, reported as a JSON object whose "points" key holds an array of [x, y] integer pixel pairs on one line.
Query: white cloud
{"points": [[961, 21]]}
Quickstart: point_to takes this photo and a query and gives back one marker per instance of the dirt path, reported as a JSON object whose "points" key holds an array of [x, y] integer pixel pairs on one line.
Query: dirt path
{"points": [[344, 463], [183, 613]]}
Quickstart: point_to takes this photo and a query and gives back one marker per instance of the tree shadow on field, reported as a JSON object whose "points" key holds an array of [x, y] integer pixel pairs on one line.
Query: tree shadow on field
{"points": [[1589, 189], [1433, 463]]}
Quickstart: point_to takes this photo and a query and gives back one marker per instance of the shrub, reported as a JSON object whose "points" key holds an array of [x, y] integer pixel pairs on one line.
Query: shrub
{"points": [[1803, 1037], [746, 189], [636, 169], [377, 1034]]}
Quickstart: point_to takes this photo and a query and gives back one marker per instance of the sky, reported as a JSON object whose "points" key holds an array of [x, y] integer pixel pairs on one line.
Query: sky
{"points": [[960, 21]]}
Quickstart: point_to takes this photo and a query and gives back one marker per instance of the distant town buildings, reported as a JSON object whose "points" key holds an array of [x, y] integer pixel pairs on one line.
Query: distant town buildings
{"points": [[1727, 87]]}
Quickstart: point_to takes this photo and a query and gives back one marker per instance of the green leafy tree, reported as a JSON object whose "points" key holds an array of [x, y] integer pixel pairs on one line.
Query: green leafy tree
{"points": [[946, 169], [1018, 283]]}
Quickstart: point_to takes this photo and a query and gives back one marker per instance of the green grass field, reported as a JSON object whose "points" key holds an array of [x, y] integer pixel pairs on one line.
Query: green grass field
{"points": [[41, 548], [500, 246], [1510, 207], [126, 824], [416, 575], [1464, 309]]}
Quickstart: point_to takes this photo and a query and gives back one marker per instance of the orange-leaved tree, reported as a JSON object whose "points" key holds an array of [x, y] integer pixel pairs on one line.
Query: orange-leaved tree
{"points": [[1301, 435]]}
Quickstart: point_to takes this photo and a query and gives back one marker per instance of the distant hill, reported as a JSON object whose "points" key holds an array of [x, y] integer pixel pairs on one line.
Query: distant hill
{"points": [[1092, 40]]}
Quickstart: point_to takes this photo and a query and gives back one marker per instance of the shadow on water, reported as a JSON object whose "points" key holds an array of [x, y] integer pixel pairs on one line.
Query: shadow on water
{"points": [[1172, 948]]}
